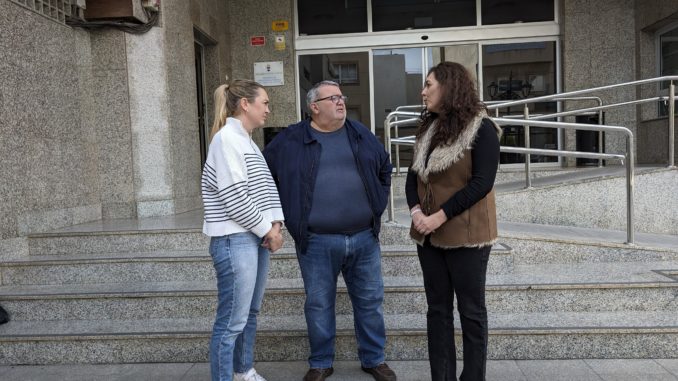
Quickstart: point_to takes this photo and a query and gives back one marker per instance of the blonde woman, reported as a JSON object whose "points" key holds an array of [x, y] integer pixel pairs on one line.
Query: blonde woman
{"points": [[243, 217]]}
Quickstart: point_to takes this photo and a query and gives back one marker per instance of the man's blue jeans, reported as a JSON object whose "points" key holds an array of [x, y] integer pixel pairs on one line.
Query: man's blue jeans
{"points": [[358, 258], [241, 266]]}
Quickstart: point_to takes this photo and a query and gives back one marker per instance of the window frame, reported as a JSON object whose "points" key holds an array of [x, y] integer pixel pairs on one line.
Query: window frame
{"points": [[661, 113], [477, 32], [352, 82]]}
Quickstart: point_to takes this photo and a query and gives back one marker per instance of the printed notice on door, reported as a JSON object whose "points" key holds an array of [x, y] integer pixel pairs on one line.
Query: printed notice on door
{"points": [[269, 73]]}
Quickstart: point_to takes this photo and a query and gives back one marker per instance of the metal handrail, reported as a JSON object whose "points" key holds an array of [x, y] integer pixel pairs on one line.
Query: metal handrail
{"points": [[396, 134], [554, 115], [627, 158], [671, 99], [602, 107], [388, 123], [536, 120], [552, 97]]}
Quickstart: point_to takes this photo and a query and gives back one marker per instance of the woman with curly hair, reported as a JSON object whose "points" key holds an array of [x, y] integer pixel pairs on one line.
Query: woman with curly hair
{"points": [[451, 198]]}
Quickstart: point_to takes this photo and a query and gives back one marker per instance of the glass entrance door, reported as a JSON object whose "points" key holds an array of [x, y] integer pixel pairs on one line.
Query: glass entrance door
{"points": [[398, 78], [508, 72], [349, 70], [518, 71]]}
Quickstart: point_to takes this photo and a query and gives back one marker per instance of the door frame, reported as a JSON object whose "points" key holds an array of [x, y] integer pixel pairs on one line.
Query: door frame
{"points": [[478, 34]]}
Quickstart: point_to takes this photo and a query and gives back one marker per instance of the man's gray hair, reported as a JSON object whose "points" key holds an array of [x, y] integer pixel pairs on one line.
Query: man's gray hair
{"points": [[312, 94]]}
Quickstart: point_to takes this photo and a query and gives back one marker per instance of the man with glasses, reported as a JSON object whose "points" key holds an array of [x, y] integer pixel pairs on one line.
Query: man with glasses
{"points": [[333, 177]]}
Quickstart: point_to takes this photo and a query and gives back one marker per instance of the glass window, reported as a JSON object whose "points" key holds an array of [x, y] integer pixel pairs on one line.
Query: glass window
{"points": [[668, 45], [343, 67], [345, 73], [397, 82], [422, 14], [517, 71], [513, 11], [332, 16]]}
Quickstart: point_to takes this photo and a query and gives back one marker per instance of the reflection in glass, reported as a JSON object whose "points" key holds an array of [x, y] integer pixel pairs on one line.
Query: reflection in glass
{"points": [[341, 67], [516, 71], [422, 14], [398, 79], [669, 63], [331, 16], [466, 55], [516, 11], [397, 82]]}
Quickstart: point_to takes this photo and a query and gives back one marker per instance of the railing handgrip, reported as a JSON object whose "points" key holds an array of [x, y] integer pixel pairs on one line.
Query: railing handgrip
{"points": [[672, 121]]}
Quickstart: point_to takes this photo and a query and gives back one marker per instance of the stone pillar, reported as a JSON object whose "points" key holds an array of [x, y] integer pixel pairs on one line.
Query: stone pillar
{"points": [[149, 120]]}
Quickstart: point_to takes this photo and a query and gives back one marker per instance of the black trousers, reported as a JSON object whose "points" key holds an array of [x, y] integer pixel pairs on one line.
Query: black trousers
{"points": [[462, 272]]}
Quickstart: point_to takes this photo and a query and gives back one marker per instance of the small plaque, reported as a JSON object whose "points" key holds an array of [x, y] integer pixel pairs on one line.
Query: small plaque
{"points": [[269, 73], [280, 25], [257, 40]]}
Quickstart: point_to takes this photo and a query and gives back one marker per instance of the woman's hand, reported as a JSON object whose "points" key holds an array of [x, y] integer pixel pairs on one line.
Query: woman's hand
{"points": [[417, 216], [428, 224], [273, 240]]}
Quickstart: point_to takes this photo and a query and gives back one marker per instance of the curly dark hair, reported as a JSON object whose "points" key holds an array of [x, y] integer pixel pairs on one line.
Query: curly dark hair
{"points": [[460, 103]]}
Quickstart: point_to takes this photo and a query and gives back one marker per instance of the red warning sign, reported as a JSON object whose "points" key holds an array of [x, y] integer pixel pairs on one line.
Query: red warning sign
{"points": [[257, 40]]}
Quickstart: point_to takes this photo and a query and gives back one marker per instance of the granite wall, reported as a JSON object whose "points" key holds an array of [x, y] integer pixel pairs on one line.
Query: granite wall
{"points": [[48, 142], [255, 19], [101, 124], [598, 45], [211, 21], [651, 17], [154, 166]]}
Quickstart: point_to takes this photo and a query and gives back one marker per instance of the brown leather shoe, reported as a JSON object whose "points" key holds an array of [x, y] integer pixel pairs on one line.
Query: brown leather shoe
{"points": [[381, 372], [317, 374]]}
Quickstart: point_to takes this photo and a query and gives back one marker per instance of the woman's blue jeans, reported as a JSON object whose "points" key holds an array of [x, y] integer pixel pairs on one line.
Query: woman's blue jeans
{"points": [[358, 257], [241, 266]]}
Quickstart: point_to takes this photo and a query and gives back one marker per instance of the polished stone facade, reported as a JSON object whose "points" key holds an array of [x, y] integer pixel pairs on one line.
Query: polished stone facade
{"points": [[101, 124], [105, 124]]}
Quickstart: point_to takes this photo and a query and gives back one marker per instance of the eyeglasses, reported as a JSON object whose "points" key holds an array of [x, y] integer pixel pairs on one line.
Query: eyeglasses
{"points": [[333, 98]]}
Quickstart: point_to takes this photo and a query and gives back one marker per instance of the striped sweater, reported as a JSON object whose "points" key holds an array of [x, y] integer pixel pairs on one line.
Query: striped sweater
{"points": [[238, 192]]}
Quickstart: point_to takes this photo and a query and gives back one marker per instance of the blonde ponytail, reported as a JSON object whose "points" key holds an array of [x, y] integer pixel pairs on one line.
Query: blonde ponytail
{"points": [[220, 110], [227, 100]]}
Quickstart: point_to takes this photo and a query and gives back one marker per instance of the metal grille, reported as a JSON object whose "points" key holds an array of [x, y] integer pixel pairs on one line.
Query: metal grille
{"points": [[56, 10]]}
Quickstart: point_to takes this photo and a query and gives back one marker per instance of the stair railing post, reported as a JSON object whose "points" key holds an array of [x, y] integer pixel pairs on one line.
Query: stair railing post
{"points": [[397, 149], [526, 128], [629, 188], [387, 143], [672, 112], [600, 133]]}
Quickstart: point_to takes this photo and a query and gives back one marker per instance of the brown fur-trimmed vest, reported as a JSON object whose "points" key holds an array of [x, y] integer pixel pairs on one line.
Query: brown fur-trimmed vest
{"points": [[449, 169]]}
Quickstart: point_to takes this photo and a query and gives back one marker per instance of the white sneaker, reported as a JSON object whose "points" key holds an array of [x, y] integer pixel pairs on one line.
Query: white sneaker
{"points": [[251, 375]]}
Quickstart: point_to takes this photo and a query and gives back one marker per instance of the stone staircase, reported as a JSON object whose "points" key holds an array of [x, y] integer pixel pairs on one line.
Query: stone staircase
{"points": [[125, 294]]}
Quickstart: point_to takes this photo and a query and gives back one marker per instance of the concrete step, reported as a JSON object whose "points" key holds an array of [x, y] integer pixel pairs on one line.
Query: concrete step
{"points": [[173, 265], [105, 242], [591, 198], [349, 370], [633, 286], [539, 243], [512, 336], [597, 203]]}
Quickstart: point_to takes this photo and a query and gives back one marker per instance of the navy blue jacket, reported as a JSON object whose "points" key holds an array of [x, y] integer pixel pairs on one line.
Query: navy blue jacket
{"points": [[293, 158]]}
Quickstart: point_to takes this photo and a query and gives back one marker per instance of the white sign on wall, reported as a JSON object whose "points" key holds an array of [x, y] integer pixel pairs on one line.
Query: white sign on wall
{"points": [[269, 73]]}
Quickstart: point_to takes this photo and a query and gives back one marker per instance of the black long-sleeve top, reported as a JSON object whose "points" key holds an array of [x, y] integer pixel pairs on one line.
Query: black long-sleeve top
{"points": [[485, 160]]}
